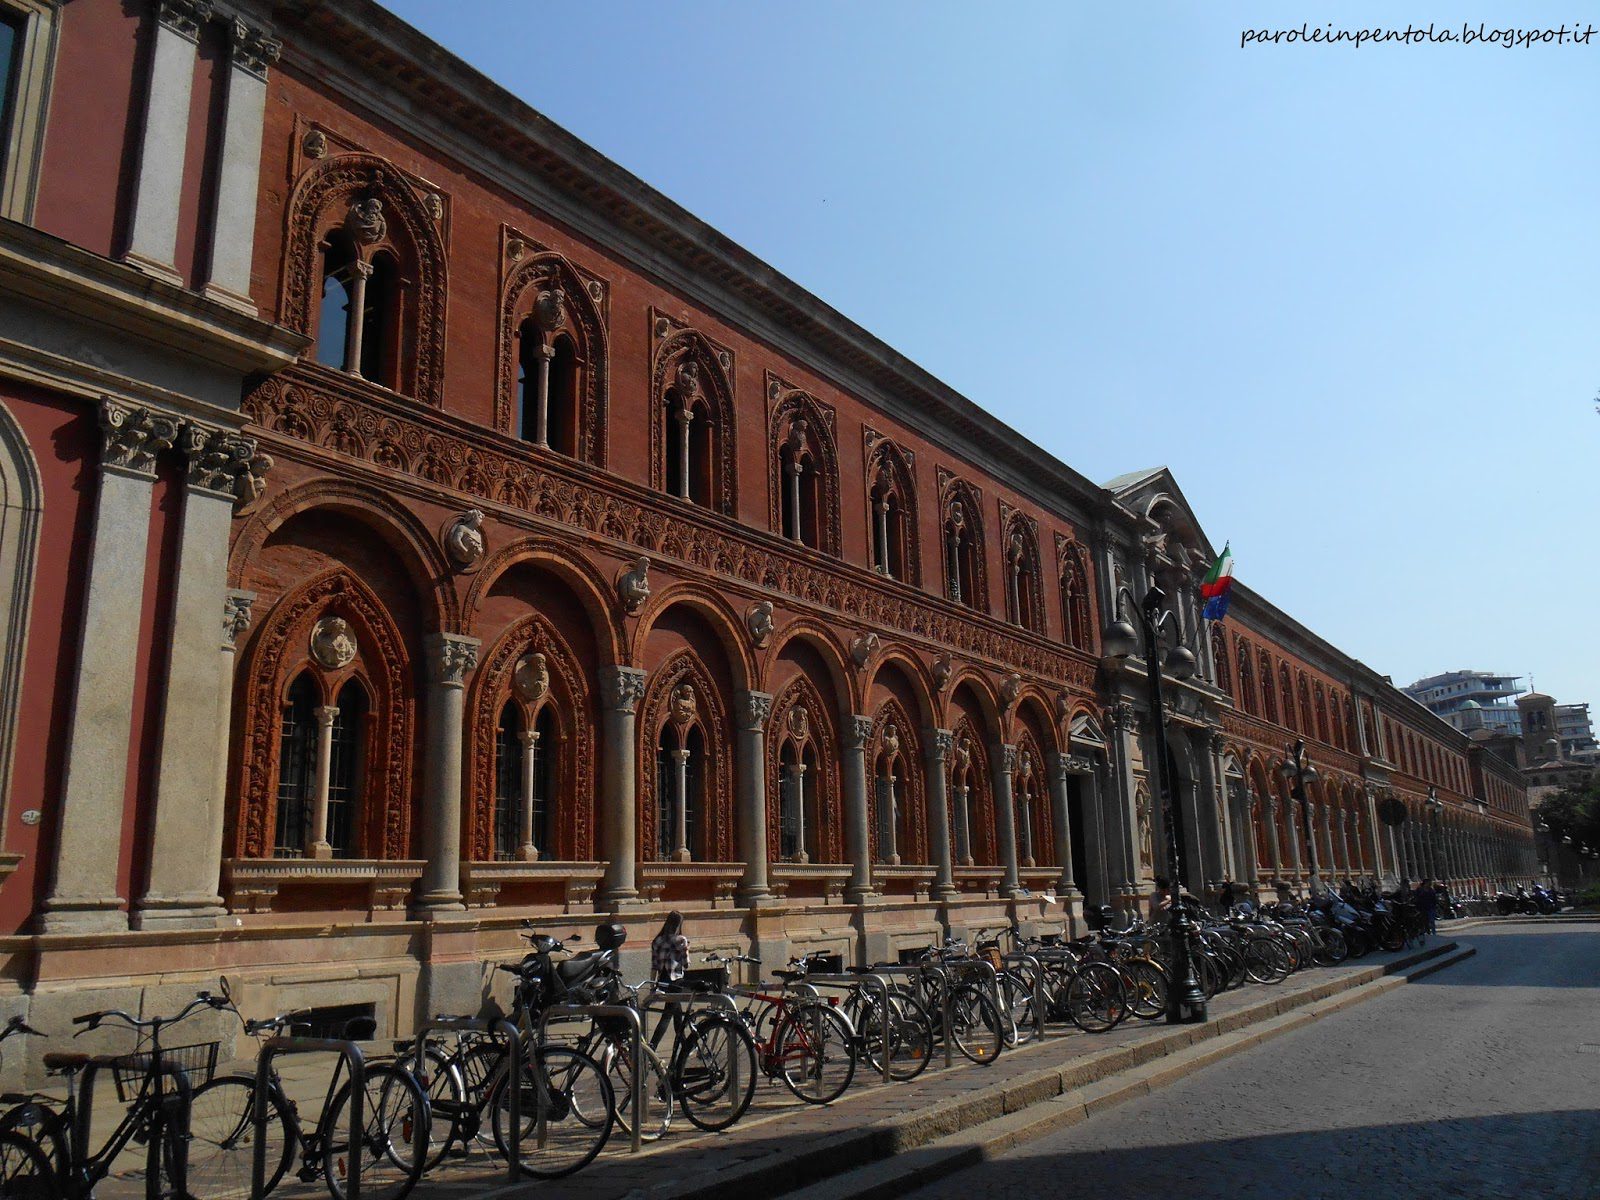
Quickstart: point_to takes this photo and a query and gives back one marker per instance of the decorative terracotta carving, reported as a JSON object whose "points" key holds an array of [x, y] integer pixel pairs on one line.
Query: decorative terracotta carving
{"points": [[531, 679], [758, 620], [862, 648], [633, 586], [333, 643], [683, 705], [463, 539]]}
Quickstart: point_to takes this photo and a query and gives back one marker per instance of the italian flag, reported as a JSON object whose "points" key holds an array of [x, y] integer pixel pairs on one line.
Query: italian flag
{"points": [[1217, 586]]}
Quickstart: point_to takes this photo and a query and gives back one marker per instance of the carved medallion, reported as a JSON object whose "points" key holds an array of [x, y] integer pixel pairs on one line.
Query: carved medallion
{"points": [[531, 679], [799, 724], [684, 705], [333, 643]]}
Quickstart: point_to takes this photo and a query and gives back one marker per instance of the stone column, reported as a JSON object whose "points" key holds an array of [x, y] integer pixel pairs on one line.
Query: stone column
{"points": [[529, 850], [1061, 815], [320, 847], [752, 710], [541, 397], [186, 842], [450, 657], [83, 896], [684, 414], [857, 816], [1269, 806], [1003, 763], [1121, 801], [153, 240], [938, 745], [233, 235], [621, 689], [680, 804]]}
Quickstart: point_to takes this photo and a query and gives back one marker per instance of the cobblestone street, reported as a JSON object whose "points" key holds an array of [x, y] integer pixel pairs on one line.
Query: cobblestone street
{"points": [[1483, 1080]]}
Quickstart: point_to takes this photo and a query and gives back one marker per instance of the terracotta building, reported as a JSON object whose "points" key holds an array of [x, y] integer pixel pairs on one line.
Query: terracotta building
{"points": [[414, 524]]}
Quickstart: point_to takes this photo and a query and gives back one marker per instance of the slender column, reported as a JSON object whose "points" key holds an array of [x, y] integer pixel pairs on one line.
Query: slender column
{"points": [[1061, 816], [450, 657], [153, 239], [937, 747], [1003, 760], [685, 415], [186, 840], [952, 543], [680, 803], [1121, 802], [320, 847], [858, 834], [541, 400], [529, 850], [233, 236], [791, 483], [1025, 812], [83, 896], [892, 818], [235, 621], [1269, 806], [621, 689], [1296, 822], [752, 711], [1013, 591], [880, 510], [797, 783], [353, 329]]}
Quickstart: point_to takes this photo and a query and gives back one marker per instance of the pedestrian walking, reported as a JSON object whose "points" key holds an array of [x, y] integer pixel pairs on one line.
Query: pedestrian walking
{"points": [[1428, 901], [669, 959]]}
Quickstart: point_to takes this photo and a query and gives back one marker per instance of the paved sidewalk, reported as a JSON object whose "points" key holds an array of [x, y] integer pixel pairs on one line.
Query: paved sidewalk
{"points": [[783, 1144]]}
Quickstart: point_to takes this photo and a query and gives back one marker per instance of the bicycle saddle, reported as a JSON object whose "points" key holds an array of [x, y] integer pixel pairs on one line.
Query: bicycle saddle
{"points": [[789, 976], [66, 1060]]}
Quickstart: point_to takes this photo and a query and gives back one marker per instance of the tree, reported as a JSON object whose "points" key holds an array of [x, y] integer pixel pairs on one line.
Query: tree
{"points": [[1573, 812]]}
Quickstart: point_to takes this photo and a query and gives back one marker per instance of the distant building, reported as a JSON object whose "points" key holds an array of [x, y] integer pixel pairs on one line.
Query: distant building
{"points": [[1470, 700], [1575, 730]]}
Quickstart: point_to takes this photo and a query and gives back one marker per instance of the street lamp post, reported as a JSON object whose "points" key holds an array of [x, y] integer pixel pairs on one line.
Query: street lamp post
{"points": [[1435, 806], [1297, 769], [1186, 1002]]}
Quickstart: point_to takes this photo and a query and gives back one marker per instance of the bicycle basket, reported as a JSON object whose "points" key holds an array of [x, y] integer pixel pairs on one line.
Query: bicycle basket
{"points": [[992, 954], [197, 1062]]}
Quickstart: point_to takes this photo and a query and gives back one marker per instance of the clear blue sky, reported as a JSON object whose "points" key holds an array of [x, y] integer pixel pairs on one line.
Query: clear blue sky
{"points": [[1347, 295]]}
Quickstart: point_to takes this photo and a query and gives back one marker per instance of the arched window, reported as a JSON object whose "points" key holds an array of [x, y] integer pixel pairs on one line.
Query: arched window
{"points": [[800, 501], [1286, 687], [1024, 605], [798, 780], [380, 321], [1247, 679], [1269, 697], [1219, 656], [892, 825], [509, 773], [549, 389], [680, 772], [563, 412], [1074, 595], [891, 513], [963, 549], [297, 773], [553, 390], [360, 320], [691, 432], [1306, 722], [523, 779], [1322, 715], [1032, 809]]}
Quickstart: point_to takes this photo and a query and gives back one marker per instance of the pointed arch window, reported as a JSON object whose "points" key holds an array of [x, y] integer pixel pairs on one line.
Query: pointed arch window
{"points": [[320, 772], [890, 812], [549, 389], [1286, 688], [1247, 680], [800, 501], [345, 770], [361, 314], [680, 776], [963, 550], [297, 769], [693, 447], [1075, 596], [1269, 697], [523, 778], [891, 513], [1023, 601], [1219, 659]]}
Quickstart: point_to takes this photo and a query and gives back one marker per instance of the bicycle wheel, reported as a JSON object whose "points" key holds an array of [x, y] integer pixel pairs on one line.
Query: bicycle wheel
{"points": [[25, 1172], [815, 1053], [222, 1139], [394, 1112], [1207, 972], [447, 1100], [46, 1128], [976, 1026], [1333, 949], [1147, 989], [166, 1171], [1096, 1001], [910, 1037], [567, 1111], [657, 1091], [1016, 991], [713, 1070], [1264, 961]]}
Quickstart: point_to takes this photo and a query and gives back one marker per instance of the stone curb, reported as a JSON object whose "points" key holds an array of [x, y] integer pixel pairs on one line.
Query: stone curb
{"points": [[917, 1165]]}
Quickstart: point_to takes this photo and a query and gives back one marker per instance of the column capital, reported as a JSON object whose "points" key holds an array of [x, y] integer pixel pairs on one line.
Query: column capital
{"points": [[1005, 757], [326, 714], [858, 732], [131, 437], [451, 656], [528, 737], [184, 17], [621, 688], [941, 744], [253, 50], [224, 462], [236, 607], [752, 710]]}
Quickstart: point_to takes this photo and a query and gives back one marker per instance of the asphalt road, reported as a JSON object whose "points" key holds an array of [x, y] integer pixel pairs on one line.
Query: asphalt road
{"points": [[1480, 1081]]}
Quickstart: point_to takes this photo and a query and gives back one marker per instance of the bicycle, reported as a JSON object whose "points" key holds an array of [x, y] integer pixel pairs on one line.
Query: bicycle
{"points": [[804, 1042], [223, 1128], [153, 1082]]}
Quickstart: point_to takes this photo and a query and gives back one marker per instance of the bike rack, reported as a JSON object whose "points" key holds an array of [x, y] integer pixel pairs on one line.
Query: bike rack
{"points": [[185, 1094], [357, 1062], [938, 969], [854, 981], [641, 1097], [1038, 986], [497, 1025]]}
